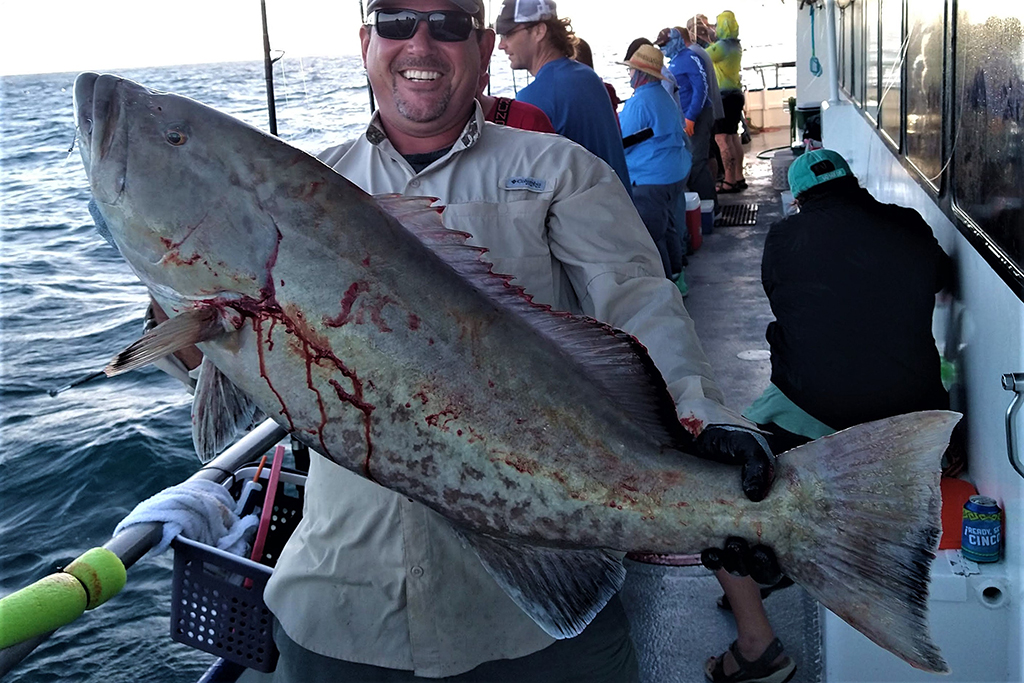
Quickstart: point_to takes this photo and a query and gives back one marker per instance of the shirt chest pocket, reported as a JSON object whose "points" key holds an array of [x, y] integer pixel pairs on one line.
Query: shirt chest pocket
{"points": [[514, 232]]}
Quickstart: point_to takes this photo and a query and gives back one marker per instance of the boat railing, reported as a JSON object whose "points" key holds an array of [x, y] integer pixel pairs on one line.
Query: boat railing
{"points": [[133, 543], [776, 67]]}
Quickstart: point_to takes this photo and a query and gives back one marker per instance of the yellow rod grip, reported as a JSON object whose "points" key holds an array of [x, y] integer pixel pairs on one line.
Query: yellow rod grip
{"points": [[101, 572], [47, 604]]}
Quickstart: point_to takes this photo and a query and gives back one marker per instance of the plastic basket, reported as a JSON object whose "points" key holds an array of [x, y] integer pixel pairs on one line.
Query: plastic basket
{"points": [[217, 598]]}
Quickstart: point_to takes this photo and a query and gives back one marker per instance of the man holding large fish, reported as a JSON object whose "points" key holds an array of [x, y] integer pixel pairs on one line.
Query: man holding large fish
{"points": [[553, 216], [494, 453]]}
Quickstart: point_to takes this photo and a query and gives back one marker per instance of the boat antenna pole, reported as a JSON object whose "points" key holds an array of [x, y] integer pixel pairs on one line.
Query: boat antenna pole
{"points": [[369, 86], [268, 69]]}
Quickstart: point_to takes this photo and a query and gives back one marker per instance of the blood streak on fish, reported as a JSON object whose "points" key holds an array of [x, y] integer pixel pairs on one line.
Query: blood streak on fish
{"points": [[347, 302]]}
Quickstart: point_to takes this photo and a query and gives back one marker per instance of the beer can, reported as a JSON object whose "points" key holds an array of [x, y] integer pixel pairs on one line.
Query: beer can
{"points": [[983, 529]]}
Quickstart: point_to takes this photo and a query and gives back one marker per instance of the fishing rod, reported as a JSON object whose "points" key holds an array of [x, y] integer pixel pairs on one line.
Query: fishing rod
{"points": [[268, 69], [369, 86], [35, 612], [81, 380]]}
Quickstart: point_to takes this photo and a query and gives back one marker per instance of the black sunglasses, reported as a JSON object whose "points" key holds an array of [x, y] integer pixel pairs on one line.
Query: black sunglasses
{"points": [[447, 26]]}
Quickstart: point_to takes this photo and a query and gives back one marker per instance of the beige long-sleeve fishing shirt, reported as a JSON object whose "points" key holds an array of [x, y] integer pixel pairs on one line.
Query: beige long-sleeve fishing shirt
{"points": [[369, 575]]}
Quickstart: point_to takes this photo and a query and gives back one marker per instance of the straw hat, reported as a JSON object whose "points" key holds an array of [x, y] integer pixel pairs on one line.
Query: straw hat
{"points": [[648, 59]]}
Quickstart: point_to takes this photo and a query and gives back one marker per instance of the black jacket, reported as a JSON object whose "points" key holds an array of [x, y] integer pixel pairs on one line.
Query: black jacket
{"points": [[852, 284]]}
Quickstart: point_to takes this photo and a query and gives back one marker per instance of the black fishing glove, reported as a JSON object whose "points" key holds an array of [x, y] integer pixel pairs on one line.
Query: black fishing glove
{"points": [[740, 446], [740, 559]]}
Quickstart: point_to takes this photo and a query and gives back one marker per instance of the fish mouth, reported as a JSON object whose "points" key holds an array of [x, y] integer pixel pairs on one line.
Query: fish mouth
{"points": [[98, 105]]}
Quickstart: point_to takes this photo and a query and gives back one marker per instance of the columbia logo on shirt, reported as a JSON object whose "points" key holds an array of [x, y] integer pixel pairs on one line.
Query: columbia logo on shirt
{"points": [[525, 183]]}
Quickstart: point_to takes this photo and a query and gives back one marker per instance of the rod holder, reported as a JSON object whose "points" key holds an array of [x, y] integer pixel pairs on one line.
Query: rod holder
{"points": [[1013, 381]]}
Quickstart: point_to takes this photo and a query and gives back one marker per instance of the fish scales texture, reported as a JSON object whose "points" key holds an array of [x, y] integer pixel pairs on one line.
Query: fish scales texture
{"points": [[457, 403], [382, 341]]}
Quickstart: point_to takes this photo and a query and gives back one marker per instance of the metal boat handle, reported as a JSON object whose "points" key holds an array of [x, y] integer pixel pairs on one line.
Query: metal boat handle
{"points": [[1013, 381]]}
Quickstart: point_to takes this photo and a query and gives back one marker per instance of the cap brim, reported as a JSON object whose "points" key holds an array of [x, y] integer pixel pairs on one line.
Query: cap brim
{"points": [[471, 6]]}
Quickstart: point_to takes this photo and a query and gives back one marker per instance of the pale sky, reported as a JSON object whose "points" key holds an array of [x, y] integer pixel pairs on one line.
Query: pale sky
{"points": [[39, 36]]}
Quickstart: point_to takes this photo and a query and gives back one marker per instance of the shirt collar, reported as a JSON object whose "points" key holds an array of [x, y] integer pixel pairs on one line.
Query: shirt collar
{"points": [[376, 136]]}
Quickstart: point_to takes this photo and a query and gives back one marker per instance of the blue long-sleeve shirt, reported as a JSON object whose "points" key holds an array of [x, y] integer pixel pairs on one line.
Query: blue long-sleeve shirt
{"points": [[692, 78], [662, 159], [576, 101]]}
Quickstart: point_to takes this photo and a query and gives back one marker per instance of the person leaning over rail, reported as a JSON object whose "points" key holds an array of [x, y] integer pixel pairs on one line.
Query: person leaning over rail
{"points": [[373, 586]]}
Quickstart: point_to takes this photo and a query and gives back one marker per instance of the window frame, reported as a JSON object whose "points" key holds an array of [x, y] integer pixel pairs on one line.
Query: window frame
{"points": [[942, 190]]}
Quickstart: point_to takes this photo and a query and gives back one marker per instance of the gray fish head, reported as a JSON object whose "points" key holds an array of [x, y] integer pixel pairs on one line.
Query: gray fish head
{"points": [[178, 186]]}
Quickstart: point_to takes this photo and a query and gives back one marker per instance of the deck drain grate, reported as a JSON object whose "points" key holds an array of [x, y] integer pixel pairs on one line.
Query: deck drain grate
{"points": [[737, 214]]}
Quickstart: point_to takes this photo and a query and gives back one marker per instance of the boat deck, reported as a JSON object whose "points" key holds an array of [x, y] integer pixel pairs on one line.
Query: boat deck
{"points": [[676, 622]]}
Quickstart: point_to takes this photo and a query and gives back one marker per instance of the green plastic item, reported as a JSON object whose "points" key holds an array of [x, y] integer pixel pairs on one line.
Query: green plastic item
{"points": [[58, 599], [47, 604], [101, 572]]}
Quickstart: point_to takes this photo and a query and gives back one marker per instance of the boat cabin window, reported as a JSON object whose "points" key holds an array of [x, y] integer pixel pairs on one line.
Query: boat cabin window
{"points": [[953, 110], [851, 48], [988, 147], [872, 58], [891, 100], [926, 50]]}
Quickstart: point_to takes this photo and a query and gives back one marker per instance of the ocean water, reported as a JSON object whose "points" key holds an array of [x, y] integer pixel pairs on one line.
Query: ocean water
{"points": [[72, 466]]}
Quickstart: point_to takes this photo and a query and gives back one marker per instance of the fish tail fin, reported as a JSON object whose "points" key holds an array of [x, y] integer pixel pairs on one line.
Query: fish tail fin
{"points": [[870, 527]]}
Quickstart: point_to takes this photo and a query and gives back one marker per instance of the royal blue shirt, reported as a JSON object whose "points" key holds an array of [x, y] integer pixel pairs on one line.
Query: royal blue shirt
{"points": [[662, 159], [692, 78], [576, 101]]}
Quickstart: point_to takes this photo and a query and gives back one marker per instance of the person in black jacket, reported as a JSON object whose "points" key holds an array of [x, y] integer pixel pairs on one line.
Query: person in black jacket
{"points": [[852, 284]]}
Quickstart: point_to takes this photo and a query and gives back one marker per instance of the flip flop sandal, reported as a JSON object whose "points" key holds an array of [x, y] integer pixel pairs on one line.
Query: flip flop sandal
{"points": [[726, 187], [784, 582], [758, 671], [741, 183]]}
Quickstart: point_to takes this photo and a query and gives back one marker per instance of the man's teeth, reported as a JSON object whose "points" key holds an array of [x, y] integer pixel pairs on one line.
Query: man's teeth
{"points": [[421, 75]]}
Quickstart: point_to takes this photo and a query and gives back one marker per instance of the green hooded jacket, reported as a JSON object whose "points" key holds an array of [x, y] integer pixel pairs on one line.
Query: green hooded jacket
{"points": [[726, 52]]}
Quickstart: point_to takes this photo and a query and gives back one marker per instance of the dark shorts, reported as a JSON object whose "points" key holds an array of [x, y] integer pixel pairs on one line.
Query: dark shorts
{"points": [[732, 103]]}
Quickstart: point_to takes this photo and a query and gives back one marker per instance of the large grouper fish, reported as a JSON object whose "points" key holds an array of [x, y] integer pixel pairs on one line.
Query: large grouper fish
{"points": [[549, 441]]}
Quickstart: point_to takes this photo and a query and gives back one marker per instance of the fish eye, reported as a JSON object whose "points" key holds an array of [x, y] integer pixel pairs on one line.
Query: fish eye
{"points": [[176, 138]]}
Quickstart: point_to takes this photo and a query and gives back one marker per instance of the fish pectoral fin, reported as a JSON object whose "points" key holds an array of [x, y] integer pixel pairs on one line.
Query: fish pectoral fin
{"points": [[220, 411], [561, 589], [174, 334]]}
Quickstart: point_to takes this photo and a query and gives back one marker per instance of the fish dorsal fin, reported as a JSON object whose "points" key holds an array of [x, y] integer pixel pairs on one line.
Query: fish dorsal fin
{"points": [[177, 333], [612, 358], [220, 411], [562, 589]]}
